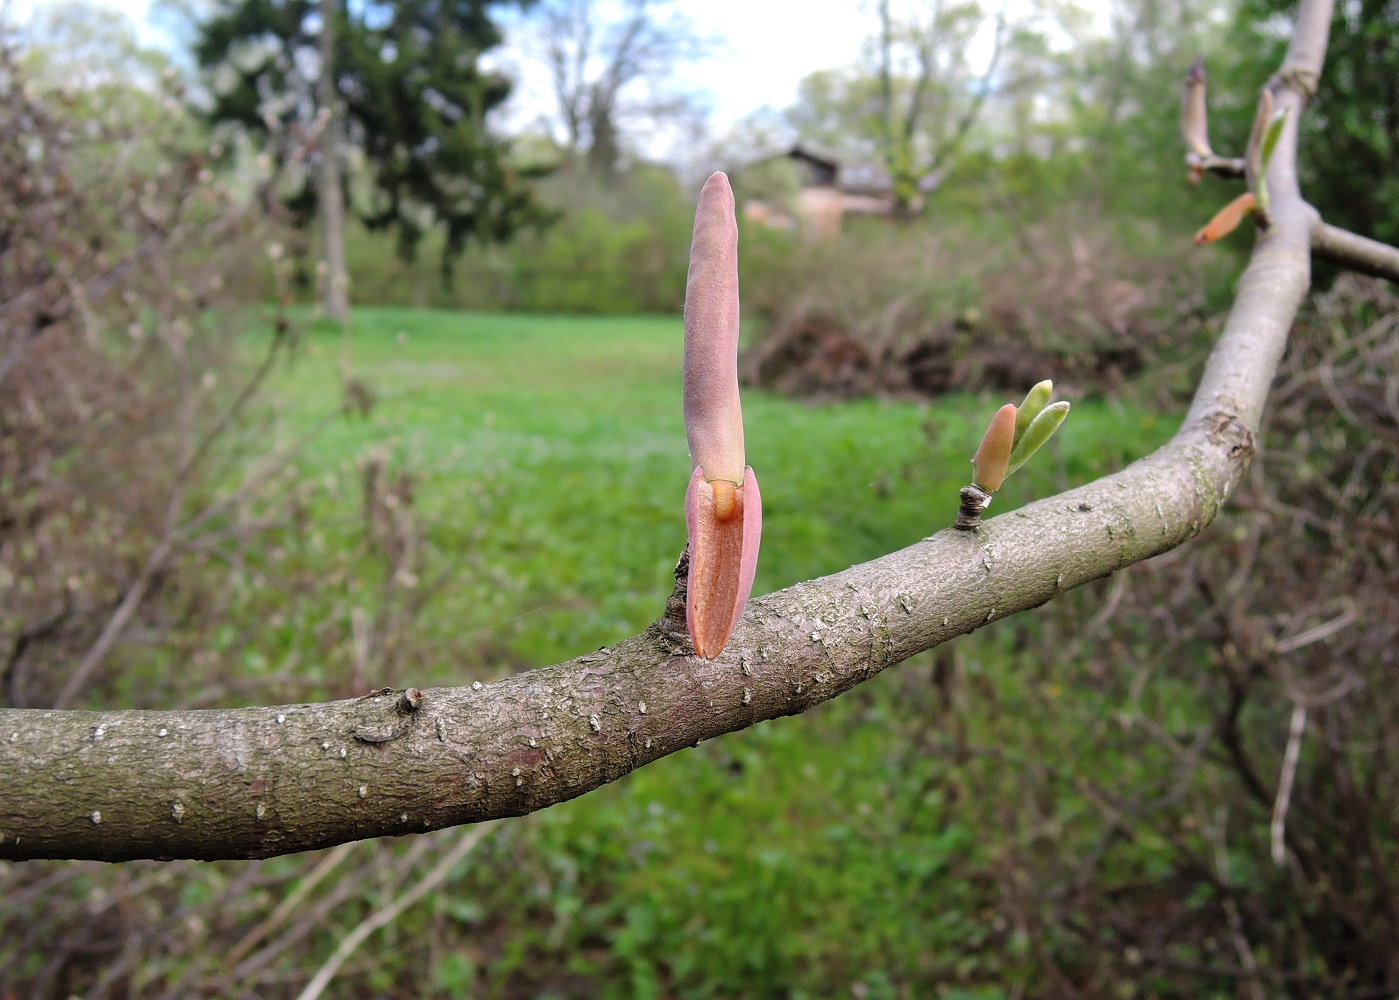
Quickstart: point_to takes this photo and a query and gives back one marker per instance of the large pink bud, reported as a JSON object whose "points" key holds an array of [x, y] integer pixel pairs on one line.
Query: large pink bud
{"points": [[723, 510]]}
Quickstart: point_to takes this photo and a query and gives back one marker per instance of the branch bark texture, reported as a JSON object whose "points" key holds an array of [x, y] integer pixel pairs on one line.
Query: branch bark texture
{"points": [[1358, 253], [254, 782]]}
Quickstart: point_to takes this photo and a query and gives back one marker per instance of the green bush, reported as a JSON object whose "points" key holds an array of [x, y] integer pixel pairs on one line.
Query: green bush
{"points": [[613, 250], [948, 305]]}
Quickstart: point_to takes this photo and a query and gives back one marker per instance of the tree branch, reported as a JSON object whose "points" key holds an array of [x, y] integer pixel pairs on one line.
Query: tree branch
{"points": [[254, 782], [1221, 166], [1357, 253], [953, 144]]}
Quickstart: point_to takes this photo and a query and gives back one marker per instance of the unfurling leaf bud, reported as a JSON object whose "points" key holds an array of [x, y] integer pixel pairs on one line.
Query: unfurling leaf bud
{"points": [[989, 464], [1270, 139], [1194, 119], [1227, 219], [1254, 169], [1041, 429], [1035, 401]]}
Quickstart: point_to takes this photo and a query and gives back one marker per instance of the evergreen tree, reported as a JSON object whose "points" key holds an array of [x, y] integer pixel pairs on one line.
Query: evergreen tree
{"points": [[413, 100]]}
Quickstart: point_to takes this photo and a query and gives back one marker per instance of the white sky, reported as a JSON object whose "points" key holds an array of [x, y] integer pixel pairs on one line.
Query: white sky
{"points": [[769, 45]]}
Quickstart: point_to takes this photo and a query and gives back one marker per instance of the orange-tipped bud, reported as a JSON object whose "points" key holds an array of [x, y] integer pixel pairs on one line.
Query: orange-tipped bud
{"points": [[992, 459], [723, 510], [1227, 219]]}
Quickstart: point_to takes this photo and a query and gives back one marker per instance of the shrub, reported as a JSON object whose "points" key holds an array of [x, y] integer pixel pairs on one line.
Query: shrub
{"points": [[1148, 834], [927, 310]]}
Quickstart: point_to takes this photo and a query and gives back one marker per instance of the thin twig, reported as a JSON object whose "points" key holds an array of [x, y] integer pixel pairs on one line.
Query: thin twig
{"points": [[1241, 945], [1289, 772], [292, 901], [1355, 252], [388, 914], [1323, 631], [1220, 166]]}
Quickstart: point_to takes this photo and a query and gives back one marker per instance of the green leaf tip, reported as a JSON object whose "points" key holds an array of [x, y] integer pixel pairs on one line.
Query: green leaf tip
{"points": [[1035, 402], [1271, 137], [1255, 169], [1041, 429]]}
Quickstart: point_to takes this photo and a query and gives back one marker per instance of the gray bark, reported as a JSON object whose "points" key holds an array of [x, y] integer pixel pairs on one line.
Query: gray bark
{"points": [[254, 782], [1358, 253]]}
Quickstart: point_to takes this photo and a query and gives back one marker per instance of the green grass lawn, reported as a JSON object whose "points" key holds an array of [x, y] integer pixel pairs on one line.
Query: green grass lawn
{"points": [[799, 858], [550, 454]]}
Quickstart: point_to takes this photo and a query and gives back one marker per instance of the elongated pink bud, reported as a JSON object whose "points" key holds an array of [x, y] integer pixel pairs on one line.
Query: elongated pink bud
{"points": [[713, 418], [723, 510]]}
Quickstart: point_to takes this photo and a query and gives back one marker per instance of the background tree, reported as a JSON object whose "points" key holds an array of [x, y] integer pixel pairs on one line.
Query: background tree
{"points": [[913, 103], [416, 105], [611, 67], [330, 190], [91, 53], [927, 55], [534, 739], [1117, 112]]}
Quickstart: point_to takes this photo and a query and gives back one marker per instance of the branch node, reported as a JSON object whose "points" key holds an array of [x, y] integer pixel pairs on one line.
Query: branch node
{"points": [[672, 623], [1300, 78], [974, 501]]}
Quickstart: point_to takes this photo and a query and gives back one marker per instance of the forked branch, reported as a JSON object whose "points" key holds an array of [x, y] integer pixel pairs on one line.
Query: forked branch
{"points": [[254, 782]]}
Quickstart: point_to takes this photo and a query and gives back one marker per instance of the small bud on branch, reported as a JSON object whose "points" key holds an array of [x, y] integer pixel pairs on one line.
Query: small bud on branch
{"points": [[1014, 434], [1226, 220], [989, 465]]}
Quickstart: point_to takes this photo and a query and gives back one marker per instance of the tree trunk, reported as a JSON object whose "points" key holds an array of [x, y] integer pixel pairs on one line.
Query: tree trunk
{"points": [[335, 289]]}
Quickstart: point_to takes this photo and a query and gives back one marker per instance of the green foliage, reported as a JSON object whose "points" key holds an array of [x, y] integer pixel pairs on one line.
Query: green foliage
{"points": [[1039, 431], [1350, 134], [1031, 406], [416, 100], [85, 47], [611, 249], [1271, 137], [86, 58], [840, 847], [950, 303]]}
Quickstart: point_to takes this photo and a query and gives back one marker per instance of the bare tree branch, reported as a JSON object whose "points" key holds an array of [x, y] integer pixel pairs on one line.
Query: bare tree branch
{"points": [[392, 912], [1220, 166], [953, 145], [255, 782], [906, 164], [1357, 253], [593, 64]]}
